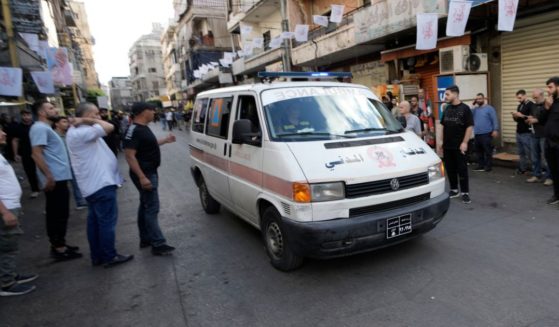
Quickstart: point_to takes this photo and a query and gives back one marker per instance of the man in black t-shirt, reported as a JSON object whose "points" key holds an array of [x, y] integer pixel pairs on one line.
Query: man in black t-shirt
{"points": [[141, 148], [21, 145], [524, 131], [457, 123]]}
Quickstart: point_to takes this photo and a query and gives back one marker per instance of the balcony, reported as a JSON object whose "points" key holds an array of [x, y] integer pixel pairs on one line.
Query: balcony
{"points": [[331, 44], [252, 14], [256, 62]]}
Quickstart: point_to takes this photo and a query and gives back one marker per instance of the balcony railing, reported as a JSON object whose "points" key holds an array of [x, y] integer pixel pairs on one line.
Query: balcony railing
{"points": [[323, 30]]}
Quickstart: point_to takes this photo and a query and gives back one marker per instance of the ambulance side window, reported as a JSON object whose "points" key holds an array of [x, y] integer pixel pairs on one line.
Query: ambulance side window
{"points": [[219, 114], [247, 110], [199, 115]]}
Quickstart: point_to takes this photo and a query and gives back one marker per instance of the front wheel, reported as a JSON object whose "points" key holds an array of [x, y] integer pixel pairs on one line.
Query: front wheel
{"points": [[277, 246], [209, 204]]}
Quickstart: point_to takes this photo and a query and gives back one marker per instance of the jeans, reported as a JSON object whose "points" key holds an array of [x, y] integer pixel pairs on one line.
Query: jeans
{"points": [[8, 251], [484, 149], [524, 144], [170, 124], [148, 224], [58, 211], [552, 156], [163, 123], [456, 168], [101, 224], [31, 172], [538, 157]]}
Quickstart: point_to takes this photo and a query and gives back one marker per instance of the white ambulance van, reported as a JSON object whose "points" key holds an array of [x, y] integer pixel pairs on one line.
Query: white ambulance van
{"points": [[321, 168]]}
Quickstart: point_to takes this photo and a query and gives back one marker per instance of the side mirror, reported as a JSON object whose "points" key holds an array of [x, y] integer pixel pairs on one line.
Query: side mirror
{"points": [[242, 133]]}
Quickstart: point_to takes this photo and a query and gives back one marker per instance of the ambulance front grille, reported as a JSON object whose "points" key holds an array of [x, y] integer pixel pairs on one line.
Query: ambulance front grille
{"points": [[384, 186], [356, 212]]}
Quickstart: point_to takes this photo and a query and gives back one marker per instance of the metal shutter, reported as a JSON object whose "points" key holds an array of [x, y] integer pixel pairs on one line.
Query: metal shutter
{"points": [[528, 58]]}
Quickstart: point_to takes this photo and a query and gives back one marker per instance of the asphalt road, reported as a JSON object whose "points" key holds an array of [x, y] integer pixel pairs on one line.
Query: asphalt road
{"points": [[494, 262]]}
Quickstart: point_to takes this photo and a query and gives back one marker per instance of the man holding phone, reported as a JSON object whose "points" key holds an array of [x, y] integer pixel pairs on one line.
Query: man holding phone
{"points": [[457, 123], [524, 131]]}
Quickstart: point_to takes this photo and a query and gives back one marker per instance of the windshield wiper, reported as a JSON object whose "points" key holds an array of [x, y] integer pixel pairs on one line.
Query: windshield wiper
{"points": [[370, 129], [314, 134]]}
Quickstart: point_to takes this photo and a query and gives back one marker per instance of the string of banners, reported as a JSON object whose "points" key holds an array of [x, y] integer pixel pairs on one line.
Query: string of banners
{"points": [[458, 14]]}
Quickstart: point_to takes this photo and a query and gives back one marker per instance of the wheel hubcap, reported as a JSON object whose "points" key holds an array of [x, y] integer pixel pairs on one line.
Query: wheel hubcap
{"points": [[274, 239]]}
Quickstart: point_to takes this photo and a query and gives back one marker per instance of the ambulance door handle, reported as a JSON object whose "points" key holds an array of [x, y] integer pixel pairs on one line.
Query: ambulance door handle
{"points": [[229, 150], [225, 149]]}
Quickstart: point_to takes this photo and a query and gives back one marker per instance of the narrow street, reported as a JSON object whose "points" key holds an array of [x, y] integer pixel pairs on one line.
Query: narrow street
{"points": [[492, 263]]}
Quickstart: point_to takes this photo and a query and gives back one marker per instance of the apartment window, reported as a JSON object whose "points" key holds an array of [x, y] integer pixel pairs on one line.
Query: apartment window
{"points": [[267, 38], [155, 85], [218, 117], [152, 70]]}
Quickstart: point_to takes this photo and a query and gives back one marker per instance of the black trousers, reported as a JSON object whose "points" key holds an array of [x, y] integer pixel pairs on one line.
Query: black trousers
{"points": [[58, 211], [456, 169], [484, 149], [31, 172], [552, 157]]}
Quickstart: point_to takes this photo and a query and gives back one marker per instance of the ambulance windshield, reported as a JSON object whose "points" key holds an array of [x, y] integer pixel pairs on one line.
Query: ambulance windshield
{"points": [[325, 113]]}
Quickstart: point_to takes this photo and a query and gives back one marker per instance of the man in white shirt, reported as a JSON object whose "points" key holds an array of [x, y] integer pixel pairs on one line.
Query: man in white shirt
{"points": [[11, 283], [96, 170], [169, 118]]}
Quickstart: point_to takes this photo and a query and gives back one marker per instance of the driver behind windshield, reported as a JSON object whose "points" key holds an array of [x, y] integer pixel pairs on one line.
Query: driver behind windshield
{"points": [[291, 121]]}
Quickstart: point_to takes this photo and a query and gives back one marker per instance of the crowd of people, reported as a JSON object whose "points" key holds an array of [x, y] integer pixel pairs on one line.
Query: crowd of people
{"points": [[472, 129], [81, 149], [172, 118]]}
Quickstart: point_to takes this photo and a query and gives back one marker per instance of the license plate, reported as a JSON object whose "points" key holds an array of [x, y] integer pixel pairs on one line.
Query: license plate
{"points": [[398, 226]]}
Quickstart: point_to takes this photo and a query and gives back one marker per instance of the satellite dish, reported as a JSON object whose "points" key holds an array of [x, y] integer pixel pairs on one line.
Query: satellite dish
{"points": [[473, 63]]}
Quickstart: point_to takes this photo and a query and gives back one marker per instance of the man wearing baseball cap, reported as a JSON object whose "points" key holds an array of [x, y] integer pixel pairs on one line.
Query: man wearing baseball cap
{"points": [[143, 155]]}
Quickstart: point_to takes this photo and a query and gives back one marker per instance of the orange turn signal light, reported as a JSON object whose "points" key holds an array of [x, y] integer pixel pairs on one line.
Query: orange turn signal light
{"points": [[301, 193], [442, 169]]}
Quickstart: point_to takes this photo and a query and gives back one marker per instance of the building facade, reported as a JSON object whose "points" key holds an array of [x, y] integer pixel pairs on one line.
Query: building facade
{"points": [[120, 90], [85, 43], [146, 66]]}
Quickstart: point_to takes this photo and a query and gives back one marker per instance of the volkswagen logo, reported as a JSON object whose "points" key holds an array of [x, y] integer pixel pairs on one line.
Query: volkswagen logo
{"points": [[394, 184]]}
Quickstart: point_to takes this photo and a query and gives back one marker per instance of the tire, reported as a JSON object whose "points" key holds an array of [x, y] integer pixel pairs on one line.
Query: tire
{"points": [[276, 242], [210, 205]]}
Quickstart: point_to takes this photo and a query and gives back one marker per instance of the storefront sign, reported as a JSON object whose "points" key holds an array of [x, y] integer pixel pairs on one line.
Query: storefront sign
{"points": [[386, 17]]}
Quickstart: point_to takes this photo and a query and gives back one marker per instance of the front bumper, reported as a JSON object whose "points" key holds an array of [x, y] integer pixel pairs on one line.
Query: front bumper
{"points": [[345, 236]]}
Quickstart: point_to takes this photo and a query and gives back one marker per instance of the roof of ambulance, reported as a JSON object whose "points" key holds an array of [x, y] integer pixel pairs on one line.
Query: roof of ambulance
{"points": [[277, 85]]}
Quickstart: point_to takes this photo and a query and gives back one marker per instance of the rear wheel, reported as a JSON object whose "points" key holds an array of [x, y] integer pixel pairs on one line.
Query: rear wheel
{"points": [[210, 205], [277, 246]]}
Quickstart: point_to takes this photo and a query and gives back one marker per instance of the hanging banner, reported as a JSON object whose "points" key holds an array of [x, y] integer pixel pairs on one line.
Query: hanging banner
{"points": [[248, 49], [320, 20], [258, 42], [240, 53], [32, 41], [458, 13], [275, 42], [427, 29], [507, 14], [337, 13], [197, 74], [11, 81], [59, 66], [224, 63], [43, 48], [44, 82], [287, 35], [229, 56], [301, 33], [245, 30]]}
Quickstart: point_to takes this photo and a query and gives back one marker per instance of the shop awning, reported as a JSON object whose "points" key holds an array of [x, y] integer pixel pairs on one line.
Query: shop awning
{"points": [[410, 51]]}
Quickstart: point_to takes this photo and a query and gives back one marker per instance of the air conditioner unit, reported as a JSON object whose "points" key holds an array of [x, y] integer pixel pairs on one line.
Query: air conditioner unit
{"points": [[451, 60], [476, 62]]}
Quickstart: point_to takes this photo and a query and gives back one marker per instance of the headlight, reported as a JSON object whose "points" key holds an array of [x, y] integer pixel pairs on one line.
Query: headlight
{"points": [[327, 192], [436, 172], [306, 193]]}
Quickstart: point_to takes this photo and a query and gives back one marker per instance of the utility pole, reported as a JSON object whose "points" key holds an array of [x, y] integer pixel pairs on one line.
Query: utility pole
{"points": [[286, 57], [12, 47]]}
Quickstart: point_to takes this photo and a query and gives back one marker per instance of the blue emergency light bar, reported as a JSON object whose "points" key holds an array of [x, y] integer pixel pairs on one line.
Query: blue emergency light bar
{"points": [[305, 74]]}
